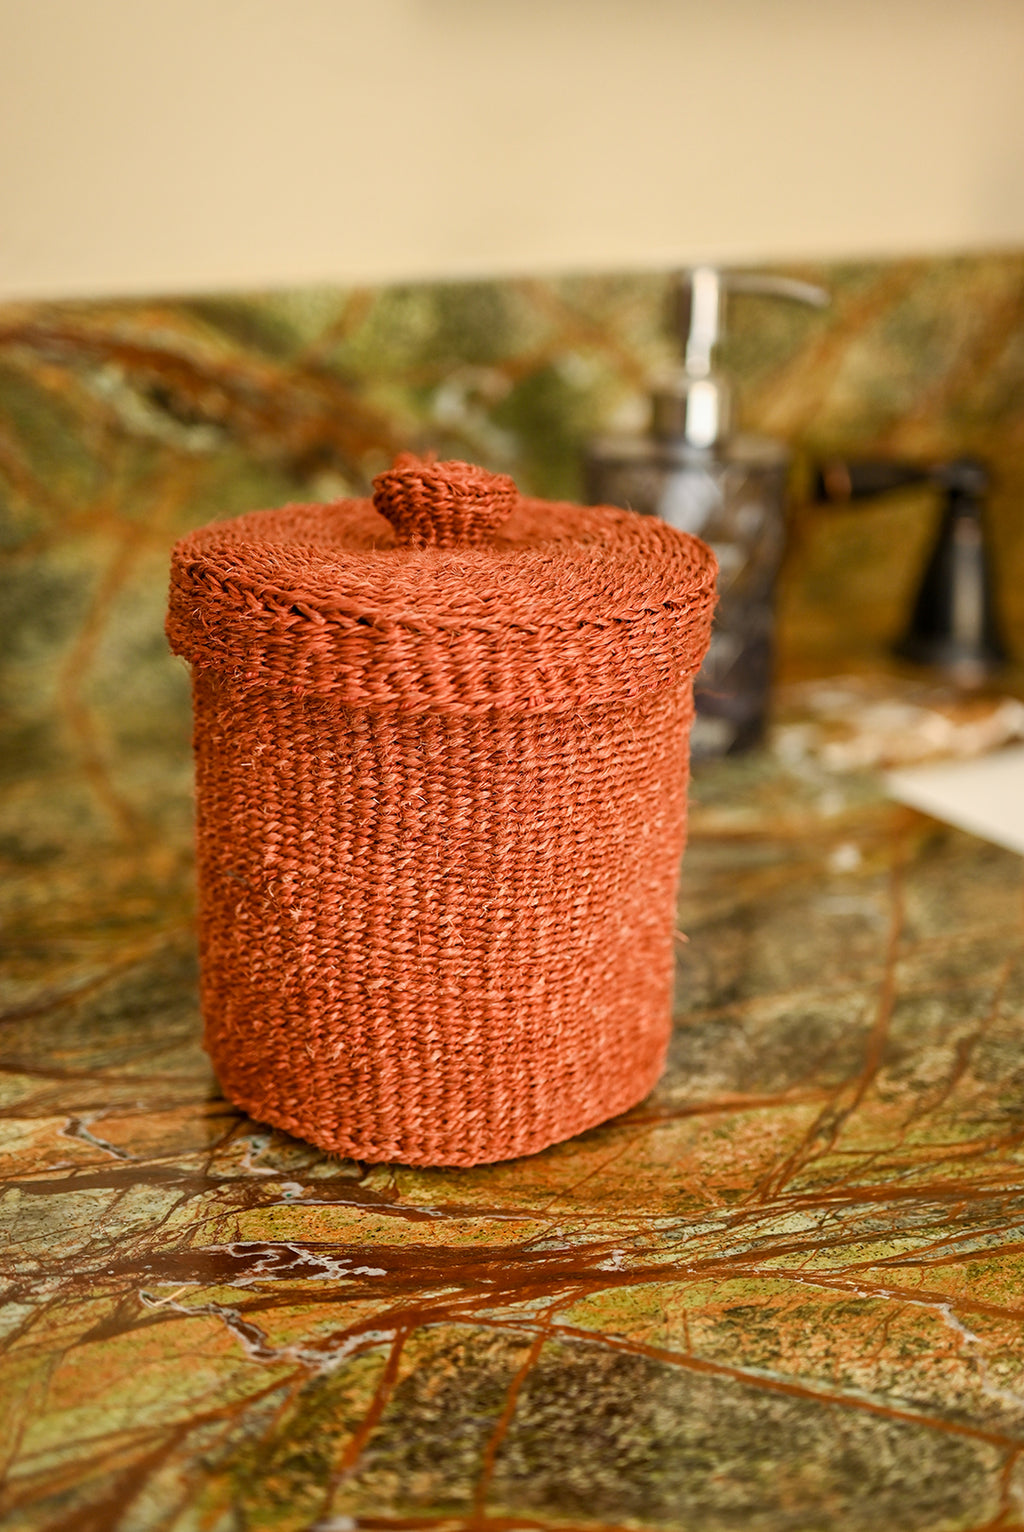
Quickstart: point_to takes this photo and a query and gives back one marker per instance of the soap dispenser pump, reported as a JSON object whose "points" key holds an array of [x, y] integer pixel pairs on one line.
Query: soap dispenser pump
{"points": [[695, 473]]}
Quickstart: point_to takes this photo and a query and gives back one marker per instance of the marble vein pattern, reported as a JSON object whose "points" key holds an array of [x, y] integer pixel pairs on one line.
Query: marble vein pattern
{"points": [[784, 1294]]}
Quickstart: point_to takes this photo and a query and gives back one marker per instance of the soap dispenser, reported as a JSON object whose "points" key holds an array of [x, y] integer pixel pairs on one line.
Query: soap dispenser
{"points": [[695, 473]]}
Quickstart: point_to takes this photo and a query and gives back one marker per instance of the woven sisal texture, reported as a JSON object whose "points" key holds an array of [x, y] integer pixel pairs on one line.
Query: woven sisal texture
{"points": [[441, 787]]}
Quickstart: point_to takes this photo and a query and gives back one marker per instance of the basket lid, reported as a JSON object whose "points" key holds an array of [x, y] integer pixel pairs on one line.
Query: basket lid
{"points": [[447, 591]]}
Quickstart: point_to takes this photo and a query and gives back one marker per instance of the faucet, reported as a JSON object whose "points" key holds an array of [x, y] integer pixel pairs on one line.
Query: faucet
{"points": [[953, 625]]}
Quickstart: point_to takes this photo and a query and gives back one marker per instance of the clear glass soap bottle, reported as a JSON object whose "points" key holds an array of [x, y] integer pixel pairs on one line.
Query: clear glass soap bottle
{"points": [[690, 470]]}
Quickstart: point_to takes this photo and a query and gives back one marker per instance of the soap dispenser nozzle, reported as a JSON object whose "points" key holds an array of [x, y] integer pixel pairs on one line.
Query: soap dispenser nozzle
{"points": [[695, 406]]}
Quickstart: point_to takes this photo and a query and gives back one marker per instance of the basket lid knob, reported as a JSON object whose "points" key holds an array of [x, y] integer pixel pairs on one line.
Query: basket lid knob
{"points": [[442, 505]]}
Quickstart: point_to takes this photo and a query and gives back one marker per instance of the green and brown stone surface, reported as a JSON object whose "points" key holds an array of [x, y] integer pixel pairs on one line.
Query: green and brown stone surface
{"points": [[786, 1294]]}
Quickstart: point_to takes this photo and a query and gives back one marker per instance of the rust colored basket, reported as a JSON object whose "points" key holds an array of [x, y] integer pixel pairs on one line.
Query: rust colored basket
{"points": [[441, 782]]}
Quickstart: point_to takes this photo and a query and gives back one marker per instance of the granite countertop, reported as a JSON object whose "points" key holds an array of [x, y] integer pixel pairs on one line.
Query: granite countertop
{"points": [[783, 1293]]}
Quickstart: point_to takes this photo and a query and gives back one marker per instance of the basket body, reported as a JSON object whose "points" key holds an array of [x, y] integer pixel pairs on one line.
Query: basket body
{"points": [[441, 753], [437, 939]]}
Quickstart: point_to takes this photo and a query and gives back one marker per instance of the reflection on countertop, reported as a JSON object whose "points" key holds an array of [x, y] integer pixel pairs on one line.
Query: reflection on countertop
{"points": [[784, 1293]]}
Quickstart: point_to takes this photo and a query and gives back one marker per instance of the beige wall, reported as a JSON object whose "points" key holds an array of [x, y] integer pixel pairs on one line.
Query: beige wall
{"points": [[183, 144]]}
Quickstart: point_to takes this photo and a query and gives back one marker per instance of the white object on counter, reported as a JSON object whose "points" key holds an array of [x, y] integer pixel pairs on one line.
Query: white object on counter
{"points": [[983, 796]]}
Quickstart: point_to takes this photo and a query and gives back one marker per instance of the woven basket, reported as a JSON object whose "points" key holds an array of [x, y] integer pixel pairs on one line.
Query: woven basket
{"points": [[441, 780]]}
